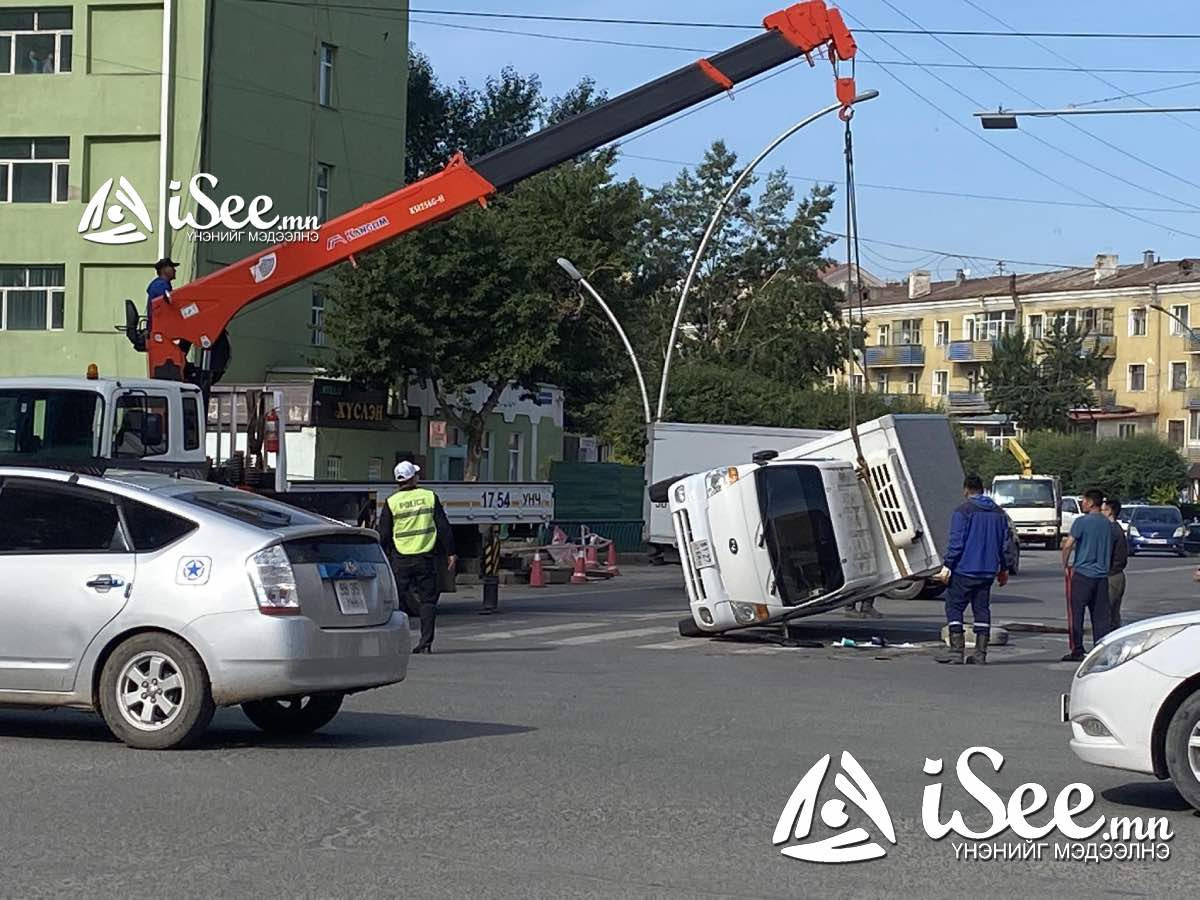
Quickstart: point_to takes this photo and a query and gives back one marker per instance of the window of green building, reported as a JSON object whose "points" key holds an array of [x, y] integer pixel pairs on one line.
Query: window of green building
{"points": [[36, 40], [32, 298]]}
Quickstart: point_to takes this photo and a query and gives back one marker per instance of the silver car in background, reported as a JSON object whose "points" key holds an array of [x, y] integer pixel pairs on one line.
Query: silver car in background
{"points": [[155, 599]]}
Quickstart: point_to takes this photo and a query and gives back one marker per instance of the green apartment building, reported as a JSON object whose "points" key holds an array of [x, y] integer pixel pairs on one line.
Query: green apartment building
{"points": [[297, 100]]}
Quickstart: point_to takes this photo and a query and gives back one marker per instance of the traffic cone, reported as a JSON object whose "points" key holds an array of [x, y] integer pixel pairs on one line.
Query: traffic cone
{"points": [[579, 576], [537, 577], [592, 556], [612, 559]]}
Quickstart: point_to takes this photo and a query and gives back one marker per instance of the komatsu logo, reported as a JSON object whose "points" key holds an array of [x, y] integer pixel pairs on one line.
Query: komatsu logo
{"points": [[427, 204]]}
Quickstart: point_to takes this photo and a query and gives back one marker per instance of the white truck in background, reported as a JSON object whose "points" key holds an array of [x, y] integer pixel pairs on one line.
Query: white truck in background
{"points": [[681, 449], [799, 533]]}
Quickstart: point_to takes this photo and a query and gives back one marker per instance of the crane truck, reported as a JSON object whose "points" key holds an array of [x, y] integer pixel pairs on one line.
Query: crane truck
{"points": [[159, 422], [1033, 502]]}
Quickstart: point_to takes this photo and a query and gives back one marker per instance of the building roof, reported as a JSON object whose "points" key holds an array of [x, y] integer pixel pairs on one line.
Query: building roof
{"points": [[836, 273], [1168, 272]]}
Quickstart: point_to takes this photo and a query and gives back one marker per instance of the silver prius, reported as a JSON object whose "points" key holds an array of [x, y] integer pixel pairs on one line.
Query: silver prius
{"points": [[155, 599]]}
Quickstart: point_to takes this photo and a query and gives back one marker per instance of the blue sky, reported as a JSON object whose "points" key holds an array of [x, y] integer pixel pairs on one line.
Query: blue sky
{"points": [[1144, 165]]}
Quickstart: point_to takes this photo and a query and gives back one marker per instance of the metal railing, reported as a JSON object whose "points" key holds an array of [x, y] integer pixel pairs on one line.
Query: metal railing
{"points": [[969, 351], [967, 402], [895, 355]]}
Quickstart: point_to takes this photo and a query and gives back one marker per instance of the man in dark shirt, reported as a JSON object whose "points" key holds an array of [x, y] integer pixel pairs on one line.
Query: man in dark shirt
{"points": [[1120, 558], [160, 286], [414, 531], [1092, 542]]}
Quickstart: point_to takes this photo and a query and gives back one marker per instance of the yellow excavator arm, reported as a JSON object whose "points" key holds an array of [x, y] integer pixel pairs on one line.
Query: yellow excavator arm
{"points": [[1018, 452]]}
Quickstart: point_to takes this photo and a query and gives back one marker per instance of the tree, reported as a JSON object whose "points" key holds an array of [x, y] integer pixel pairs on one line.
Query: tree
{"points": [[1134, 468], [757, 302], [982, 459], [719, 395], [479, 299], [1038, 384]]}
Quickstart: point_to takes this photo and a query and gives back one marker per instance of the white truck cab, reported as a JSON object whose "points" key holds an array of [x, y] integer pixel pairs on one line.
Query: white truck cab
{"points": [[800, 533], [46, 420], [1033, 503]]}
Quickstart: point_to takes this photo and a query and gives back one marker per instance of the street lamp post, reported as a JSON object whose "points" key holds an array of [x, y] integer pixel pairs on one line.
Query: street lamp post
{"points": [[1006, 119], [575, 275], [712, 227]]}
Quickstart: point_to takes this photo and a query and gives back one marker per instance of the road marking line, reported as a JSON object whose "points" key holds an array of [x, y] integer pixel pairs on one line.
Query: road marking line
{"points": [[533, 632], [606, 636], [677, 644]]}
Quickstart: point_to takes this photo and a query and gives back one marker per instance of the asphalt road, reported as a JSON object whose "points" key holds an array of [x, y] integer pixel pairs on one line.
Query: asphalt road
{"points": [[576, 747]]}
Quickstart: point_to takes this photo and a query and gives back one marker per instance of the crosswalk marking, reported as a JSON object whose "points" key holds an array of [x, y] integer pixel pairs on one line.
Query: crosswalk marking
{"points": [[677, 644], [607, 636], [534, 632]]}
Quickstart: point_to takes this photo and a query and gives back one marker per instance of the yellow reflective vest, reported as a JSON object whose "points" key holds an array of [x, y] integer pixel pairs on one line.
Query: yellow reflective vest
{"points": [[414, 532]]}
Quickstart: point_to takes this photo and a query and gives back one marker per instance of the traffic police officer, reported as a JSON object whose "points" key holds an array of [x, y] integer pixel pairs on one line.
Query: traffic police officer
{"points": [[415, 532]]}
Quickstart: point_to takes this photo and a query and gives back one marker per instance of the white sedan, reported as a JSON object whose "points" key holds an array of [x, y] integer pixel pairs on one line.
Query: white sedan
{"points": [[1135, 702]]}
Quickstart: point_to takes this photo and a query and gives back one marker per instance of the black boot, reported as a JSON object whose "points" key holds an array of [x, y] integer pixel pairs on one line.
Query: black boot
{"points": [[979, 657], [958, 645]]}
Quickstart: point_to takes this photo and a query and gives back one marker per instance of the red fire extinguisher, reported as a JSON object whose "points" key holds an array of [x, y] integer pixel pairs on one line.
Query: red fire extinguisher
{"points": [[271, 432]]}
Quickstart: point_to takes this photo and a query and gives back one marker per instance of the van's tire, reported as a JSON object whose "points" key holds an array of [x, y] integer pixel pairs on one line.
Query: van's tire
{"points": [[1184, 724], [175, 682], [294, 715], [908, 591], [932, 590], [1054, 543], [689, 628]]}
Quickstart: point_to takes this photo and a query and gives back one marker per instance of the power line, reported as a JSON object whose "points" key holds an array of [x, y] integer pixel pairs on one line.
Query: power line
{"points": [[1065, 59], [1012, 156], [1067, 122], [963, 195], [375, 9], [952, 253], [1123, 96], [560, 37]]}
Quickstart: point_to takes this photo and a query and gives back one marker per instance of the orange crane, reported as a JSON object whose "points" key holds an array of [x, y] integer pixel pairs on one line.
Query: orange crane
{"points": [[197, 314]]}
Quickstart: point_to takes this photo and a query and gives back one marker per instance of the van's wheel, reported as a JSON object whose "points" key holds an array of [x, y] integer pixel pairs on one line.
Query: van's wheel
{"points": [[155, 693], [1183, 749], [910, 590], [689, 628], [294, 715]]}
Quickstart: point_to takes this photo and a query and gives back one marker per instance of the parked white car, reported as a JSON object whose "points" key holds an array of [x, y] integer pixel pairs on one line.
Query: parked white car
{"points": [[1070, 510], [153, 600], [1135, 702]]}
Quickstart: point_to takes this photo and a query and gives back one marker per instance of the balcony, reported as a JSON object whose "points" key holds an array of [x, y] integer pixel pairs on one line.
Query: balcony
{"points": [[1192, 340], [1192, 398], [895, 355], [1103, 344], [1103, 400], [961, 403], [969, 351]]}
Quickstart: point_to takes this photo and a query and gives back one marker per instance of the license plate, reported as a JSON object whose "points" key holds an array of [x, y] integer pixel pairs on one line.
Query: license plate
{"points": [[702, 555], [351, 597], [1156, 540]]}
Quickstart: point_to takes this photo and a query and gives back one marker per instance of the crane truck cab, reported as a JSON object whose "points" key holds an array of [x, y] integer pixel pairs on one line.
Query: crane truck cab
{"points": [[48, 421], [800, 532], [1033, 504]]}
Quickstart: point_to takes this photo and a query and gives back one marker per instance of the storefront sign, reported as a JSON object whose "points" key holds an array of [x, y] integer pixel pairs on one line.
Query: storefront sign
{"points": [[437, 435], [340, 404]]}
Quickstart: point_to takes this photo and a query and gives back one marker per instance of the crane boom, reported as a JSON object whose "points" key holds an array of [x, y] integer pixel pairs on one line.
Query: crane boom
{"points": [[1018, 452], [197, 314]]}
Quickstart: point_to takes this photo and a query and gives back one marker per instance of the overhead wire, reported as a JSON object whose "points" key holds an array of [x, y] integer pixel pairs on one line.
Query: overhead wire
{"points": [[1066, 121], [1012, 156]]}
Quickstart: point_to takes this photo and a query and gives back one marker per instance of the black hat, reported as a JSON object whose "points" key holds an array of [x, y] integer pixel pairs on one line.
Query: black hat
{"points": [[165, 261]]}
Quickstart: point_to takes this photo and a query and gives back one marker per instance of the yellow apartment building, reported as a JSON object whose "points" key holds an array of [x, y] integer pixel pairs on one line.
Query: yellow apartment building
{"points": [[931, 338]]}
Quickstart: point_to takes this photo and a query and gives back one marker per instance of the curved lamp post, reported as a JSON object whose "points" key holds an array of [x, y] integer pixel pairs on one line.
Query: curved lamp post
{"points": [[712, 227], [567, 266]]}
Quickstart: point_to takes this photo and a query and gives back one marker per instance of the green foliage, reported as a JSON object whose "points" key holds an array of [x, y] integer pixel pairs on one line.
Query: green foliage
{"points": [[1039, 383], [982, 459], [1134, 468], [714, 394], [1129, 468], [757, 303], [1165, 495]]}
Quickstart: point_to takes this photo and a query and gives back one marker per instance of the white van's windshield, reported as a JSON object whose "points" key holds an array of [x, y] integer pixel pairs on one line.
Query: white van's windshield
{"points": [[799, 532], [1025, 493], [38, 425]]}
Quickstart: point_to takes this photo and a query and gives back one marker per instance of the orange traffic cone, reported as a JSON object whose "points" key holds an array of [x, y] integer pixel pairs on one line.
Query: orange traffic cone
{"points": [[537, 577], [579, 576], [612, 559], [592, 556]]}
